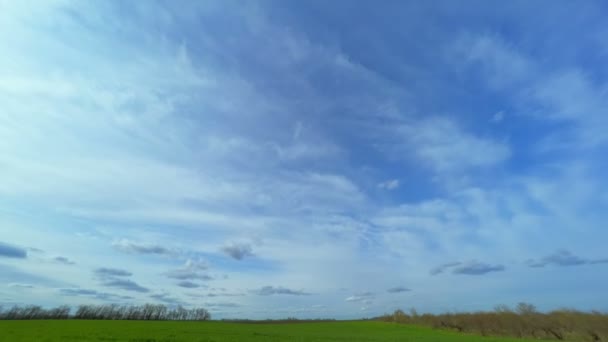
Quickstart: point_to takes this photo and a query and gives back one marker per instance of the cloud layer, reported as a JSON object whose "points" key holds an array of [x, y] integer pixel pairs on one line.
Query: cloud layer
{"points": [[272, 154]]}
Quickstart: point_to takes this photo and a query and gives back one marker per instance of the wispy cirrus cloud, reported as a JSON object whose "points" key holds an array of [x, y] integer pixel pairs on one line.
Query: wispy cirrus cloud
{"points": [[345, 161], [565, 94], [501, 63], [447, 147]]}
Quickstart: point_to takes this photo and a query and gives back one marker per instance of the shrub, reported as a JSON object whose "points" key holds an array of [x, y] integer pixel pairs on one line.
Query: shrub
{"points": [[524, 321]]}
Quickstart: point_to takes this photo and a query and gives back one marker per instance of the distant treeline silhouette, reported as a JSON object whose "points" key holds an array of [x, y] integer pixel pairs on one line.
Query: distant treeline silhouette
{"points": [[524, 321], [147, 312]]}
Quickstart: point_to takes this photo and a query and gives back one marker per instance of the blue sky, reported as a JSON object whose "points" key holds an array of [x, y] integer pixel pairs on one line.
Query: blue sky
{"points": [[308, 159]]}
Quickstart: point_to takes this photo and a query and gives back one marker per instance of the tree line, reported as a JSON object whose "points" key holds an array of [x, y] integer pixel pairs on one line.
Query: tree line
{"points": [[523, 321], [147, 312]]}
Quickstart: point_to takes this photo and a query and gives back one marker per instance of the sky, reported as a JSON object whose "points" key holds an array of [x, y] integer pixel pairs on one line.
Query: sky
{"points": [[267, 159]]}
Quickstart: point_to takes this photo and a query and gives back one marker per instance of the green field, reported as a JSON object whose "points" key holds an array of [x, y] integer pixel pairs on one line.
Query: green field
{"points": [[142, 331]]}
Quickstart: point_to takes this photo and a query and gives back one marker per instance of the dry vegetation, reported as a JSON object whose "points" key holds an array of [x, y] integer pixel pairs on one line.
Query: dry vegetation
{"points": [[524, 322]]}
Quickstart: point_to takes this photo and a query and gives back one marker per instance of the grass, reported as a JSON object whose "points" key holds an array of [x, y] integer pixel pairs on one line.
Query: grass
{"points": [[147, 331]]}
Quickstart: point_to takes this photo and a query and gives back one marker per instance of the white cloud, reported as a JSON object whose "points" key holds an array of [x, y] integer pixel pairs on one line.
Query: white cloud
{"points": [[21, 286], [570, 96], [238, 251], [565, 94], [127, 246], [446, 147], [391, 184], [498, 116], [501, 63], [297, 131]]}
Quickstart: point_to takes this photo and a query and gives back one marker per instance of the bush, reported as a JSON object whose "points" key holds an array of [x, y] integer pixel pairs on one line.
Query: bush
{"points": [[524, 321]]}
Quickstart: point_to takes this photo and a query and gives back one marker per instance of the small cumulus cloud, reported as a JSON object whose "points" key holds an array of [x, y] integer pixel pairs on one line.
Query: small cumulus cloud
{"points": [[79, 292], [191, 270], [125, 284], [188, 284], [470, 268], [184, 274], [212, 294], [442, 268], [477, 268], [223, 305], [391, 184], [21, 286], [128, 246], [193, 264], [112, 272], [362, 297], [63, 260], [271, 290], [498, 116], [238, 251], [564, 257], [10, 251], [398, 289], [114, 277]]}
